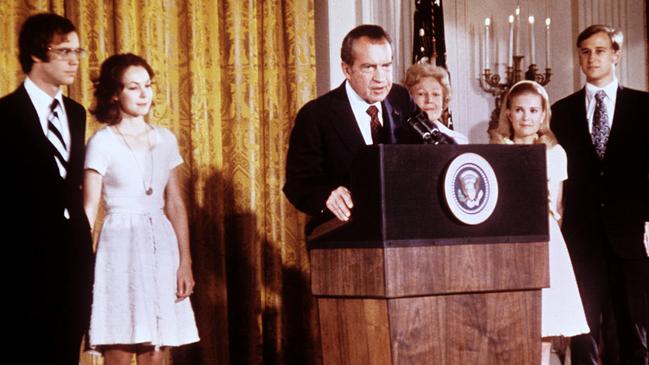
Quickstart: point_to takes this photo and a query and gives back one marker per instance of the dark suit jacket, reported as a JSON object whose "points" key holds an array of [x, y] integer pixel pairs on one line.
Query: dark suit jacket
{"points": [[53, 255], [325, 139], [609, 197]]}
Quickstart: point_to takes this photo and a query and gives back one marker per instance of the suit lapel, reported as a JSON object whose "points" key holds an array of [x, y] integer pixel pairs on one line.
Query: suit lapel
{"points": [[30, 120], [622, 109], [583, 130], [76, 133], [391, 118], [32, 126], [343, 120], [581, 115]]}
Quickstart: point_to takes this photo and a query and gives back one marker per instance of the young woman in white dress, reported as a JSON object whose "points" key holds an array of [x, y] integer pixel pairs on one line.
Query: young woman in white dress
{"points": [[143, 274], [525, 119]]}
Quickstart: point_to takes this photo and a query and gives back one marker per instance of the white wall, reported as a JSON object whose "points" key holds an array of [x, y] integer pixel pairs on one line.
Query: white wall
{"points": [[335, 18], [464, 26]]}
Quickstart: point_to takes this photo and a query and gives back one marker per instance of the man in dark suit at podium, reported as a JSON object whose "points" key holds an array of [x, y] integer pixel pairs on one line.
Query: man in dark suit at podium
{"points": [[604, 129], [367, 108]]}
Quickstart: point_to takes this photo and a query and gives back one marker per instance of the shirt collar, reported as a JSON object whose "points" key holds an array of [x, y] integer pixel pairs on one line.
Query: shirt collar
{"points": [[39, 97], [610, 90], [356, 101]]}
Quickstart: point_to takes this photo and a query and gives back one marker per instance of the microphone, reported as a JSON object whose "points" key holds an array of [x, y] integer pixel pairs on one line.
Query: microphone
{"points": [[428, 131]]}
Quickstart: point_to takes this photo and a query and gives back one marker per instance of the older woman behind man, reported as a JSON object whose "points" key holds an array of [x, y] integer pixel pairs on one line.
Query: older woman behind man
{"points": [[430, 89]]}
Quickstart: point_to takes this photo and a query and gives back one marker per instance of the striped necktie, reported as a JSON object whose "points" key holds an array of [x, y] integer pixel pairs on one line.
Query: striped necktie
{"points": [[601, 129], [375, 124], [60, 149]]}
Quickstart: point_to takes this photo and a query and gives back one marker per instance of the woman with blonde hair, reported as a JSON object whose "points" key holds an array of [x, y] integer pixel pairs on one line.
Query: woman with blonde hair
{"points": [[430, 88], [525, 119]]}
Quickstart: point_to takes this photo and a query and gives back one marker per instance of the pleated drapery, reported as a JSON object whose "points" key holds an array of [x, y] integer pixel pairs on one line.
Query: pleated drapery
{"points": [[230, 77]]}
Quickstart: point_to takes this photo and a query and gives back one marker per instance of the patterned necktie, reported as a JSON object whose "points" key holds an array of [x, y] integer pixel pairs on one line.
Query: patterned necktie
{"points": [[375, 124], [601, 129], [60, 149]]}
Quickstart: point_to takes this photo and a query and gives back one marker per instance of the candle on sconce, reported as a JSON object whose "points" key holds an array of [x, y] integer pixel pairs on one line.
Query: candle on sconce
{"points": [[510, 44], [487, 23], [532, 45], [517, 29], [547, 42], [492, 80]]}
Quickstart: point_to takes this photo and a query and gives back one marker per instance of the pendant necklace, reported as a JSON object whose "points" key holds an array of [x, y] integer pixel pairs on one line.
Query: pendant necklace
{"points": [[148, 152]]}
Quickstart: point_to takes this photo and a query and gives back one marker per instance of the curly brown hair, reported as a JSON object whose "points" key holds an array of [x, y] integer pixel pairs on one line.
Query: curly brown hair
{"points": [[109, 84]]}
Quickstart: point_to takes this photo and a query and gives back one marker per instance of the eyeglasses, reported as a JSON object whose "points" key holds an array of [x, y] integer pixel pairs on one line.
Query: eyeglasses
{"points": [[66, 53]]}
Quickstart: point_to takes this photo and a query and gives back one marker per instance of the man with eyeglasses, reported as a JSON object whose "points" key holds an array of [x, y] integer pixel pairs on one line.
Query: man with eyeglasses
{"points": [[50, 246]]}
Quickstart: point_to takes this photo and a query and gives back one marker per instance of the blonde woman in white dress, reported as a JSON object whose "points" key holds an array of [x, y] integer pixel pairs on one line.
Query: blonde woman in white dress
{"points": [[525, 119], [143, 274]]}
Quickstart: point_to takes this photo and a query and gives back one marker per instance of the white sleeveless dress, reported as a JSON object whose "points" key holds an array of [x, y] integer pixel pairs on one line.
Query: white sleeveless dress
{"points": [[134, 294], [562, 312]]}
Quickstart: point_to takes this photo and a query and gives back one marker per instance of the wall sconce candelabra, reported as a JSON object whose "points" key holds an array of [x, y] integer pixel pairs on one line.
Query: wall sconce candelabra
{"points": [[493, 83]]}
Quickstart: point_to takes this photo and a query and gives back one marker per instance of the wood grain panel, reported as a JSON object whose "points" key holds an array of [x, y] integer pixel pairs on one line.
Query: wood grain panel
{"points": [[354, 331], [465, 268], [348, 272], [461, 304], [488, 328]]}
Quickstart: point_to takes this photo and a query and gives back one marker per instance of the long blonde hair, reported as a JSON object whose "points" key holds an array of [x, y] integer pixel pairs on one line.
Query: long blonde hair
{"points": [[504, 132]]}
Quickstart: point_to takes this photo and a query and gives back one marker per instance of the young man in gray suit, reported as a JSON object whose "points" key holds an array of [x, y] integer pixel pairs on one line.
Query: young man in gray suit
{"points": [[605, 131]]}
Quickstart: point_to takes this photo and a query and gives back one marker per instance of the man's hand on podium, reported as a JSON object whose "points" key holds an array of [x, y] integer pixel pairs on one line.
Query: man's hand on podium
{"points": [[340, 203]]}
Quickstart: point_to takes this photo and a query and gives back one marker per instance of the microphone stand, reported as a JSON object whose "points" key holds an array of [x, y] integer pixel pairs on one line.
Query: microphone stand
{"points": [[428, 131]]}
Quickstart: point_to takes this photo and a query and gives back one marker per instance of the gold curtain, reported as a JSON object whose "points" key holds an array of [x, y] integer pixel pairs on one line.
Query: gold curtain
{"points": [[230, 77]]}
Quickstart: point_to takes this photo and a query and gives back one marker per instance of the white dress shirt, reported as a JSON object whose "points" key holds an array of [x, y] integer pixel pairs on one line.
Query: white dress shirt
{"points": [[609, 101], [359, 107], [42, 101]]}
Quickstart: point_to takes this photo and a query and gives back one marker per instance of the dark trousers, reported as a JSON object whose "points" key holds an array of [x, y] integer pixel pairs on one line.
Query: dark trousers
{"points": [[615, 294], [52, 341], [51, 313]]}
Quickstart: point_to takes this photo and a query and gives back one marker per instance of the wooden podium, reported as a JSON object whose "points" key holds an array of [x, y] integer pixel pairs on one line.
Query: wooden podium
{"points": [[405, 282]]}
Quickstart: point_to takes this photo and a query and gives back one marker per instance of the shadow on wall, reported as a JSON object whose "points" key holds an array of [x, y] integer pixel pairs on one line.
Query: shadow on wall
{"points": [[270, 304], [249, 303], [210, 298]]}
